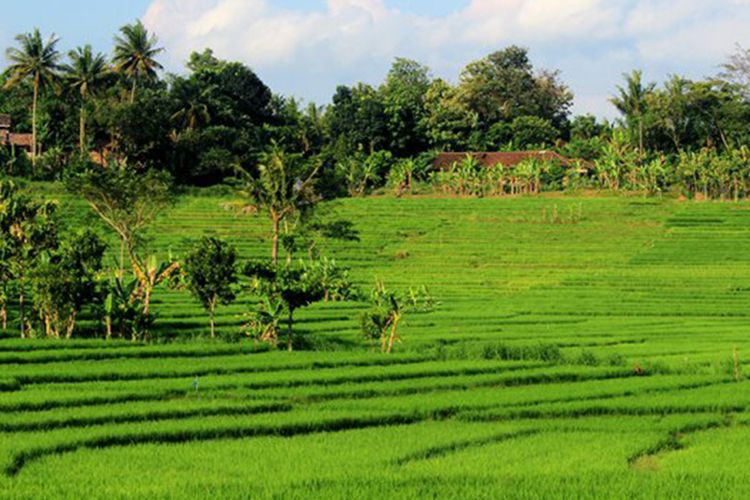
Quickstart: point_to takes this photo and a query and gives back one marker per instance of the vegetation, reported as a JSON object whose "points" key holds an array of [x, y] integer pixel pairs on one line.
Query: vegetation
{"points": [[599, 331], [621, 334], [211, 275]]}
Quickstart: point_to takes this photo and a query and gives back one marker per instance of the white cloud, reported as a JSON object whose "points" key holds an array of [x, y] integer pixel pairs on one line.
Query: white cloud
{"points": [[360, 37]]}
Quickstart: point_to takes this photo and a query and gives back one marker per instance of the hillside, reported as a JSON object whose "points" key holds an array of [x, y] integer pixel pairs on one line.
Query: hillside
{"points": [[580, 343]]}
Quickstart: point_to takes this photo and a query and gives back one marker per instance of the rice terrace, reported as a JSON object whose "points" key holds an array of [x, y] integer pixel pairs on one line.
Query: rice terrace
{"points": [[454, 286]]}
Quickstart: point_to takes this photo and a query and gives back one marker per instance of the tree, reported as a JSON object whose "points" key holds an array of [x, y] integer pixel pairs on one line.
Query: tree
{"points": [[149, 273], [403, 95], [288, 285], [27, 229], [503, 86], [631, 101], [135, 55], [381, 321], [65, 281], [211, 274], [448, 121], [125, 199], [128, 201], [737, 69], [85, 74], [357, 119], [192, 104], [37, 60], [363, 172], [283, 189]]}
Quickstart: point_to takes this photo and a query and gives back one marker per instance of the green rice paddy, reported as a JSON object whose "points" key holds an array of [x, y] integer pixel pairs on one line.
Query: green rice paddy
{"points": [[583, 347]]}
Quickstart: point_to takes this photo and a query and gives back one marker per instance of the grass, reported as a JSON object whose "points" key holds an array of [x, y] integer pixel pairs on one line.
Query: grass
{"points": [[582, 358]]}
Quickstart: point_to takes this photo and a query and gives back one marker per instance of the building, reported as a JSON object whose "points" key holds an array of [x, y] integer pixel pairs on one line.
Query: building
{"points": [[11, 140], [444, 161]]}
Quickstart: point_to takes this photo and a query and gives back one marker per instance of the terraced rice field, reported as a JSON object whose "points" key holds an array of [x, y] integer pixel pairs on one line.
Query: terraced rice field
{"points": [[583, 348]]}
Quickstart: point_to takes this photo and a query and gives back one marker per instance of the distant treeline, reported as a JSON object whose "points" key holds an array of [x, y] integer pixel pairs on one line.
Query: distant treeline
{"points": [[201, 126]]}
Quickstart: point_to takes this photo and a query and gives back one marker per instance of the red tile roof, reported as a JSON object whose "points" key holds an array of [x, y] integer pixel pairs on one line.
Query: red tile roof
{"points": [[21, 139]]}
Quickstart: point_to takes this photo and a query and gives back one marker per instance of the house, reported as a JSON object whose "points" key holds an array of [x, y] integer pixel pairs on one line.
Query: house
{"points": [[444, 161], [11, 140]]}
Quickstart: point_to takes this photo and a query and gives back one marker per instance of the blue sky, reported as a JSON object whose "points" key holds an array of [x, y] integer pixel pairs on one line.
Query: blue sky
{"points": [[306, 47]]}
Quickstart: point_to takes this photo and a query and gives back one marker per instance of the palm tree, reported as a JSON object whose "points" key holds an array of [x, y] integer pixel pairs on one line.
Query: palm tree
{"points": [[631, 101], [283, 189], [84, 74], [192, 105], [33, 59], [135, 50]]}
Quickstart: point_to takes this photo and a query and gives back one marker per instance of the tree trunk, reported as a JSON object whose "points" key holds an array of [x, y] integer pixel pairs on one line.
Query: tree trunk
{"points": [[122, 258], [146, 311], [4, 316], [108, 324], [640, 135], [211, 316], [33, 119], [275, 242], [392, 337], [289, 320], [132, 90], [70, 326], [82, 130], [21, 305]]}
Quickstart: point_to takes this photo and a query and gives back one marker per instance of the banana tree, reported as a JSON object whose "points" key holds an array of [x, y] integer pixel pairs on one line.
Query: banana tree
{"points": [[149, 274], [382, 320], [264, 322]]}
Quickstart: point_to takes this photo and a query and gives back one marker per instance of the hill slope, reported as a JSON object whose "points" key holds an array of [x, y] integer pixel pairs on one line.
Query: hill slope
{"points": [[583, 347]]}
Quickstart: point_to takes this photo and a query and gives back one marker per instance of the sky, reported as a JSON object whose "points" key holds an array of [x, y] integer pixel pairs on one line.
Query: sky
{"points": [[304, 48]]}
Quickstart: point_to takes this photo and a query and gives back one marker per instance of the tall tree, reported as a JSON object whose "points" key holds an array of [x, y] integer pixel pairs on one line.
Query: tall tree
{"points": [[737, 69], [135, 54], [126, 199], [504, 86], [403, 95], [631, 101], [192, 105], [448, 120], [85, 74], [37, 60], [283, 189]]}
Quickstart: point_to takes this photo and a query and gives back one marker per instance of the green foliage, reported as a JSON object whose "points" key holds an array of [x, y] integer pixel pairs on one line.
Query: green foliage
{"points": [[403, 95], [711, 174], [124, 198], [65, 280], [334, 280], [289, 285], [387, 309], [211, 274], [448, 120], [36, 60], [123, 310], [531, 176], [135, 55], [28, 229], [503, 86], [283, 189], [363, 173]]}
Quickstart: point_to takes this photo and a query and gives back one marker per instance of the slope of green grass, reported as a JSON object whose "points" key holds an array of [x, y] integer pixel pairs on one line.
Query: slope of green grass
{"points": [[587, 354]]}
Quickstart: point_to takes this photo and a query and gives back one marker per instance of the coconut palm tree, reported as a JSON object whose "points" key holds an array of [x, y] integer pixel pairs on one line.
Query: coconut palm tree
{"points": [[192, 102], [33, 59], [631, 101], [85, 73], [135, 52]]}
